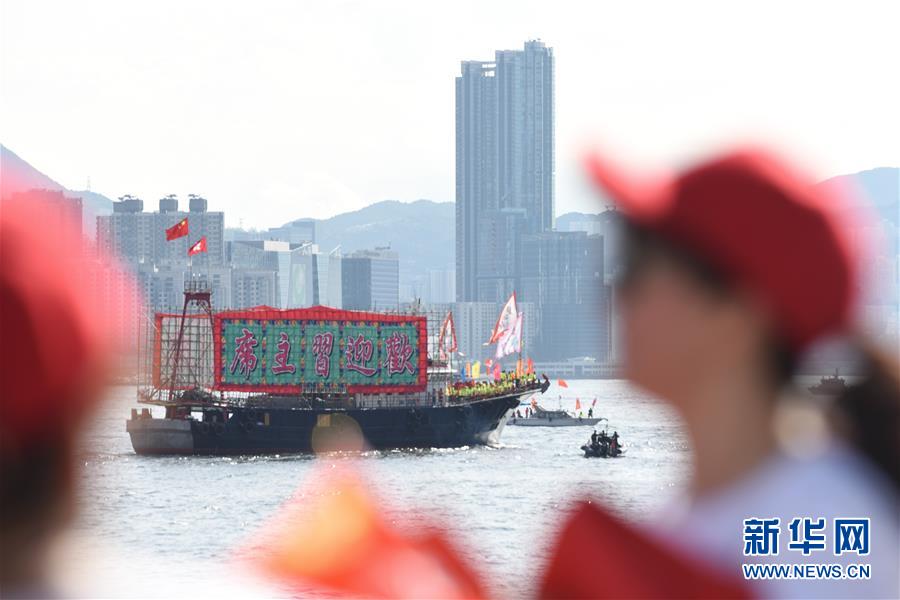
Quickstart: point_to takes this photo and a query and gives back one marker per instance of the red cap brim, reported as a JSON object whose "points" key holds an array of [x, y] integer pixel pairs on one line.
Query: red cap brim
{"points": [[642, 198]]}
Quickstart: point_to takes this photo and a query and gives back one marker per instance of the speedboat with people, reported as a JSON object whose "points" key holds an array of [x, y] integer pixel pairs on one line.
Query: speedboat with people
{"points": [[603, 445], [538, 416]]}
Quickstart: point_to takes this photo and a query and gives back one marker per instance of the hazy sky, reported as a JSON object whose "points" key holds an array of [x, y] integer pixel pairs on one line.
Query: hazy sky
{"points": [[279, 110]]}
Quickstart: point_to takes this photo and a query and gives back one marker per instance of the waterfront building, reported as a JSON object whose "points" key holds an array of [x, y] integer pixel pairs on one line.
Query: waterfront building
{"points": [[563, 274], [371, 280]]}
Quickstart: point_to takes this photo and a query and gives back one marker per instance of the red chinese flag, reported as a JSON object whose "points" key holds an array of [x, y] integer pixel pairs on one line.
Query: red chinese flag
{"points": [[530, 367], [562, 383], [577, 403], [179, 229], [198, 247]]}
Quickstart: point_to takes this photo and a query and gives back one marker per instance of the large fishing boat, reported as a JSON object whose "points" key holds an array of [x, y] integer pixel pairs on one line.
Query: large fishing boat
{"points": [[264, 380]]}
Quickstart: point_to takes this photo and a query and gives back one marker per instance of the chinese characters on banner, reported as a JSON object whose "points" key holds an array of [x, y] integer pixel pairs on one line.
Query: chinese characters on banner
{"points": [[261, 353]]}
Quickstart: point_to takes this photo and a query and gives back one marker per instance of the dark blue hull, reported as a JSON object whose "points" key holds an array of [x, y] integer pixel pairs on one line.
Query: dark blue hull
{"points": [[287, 430]]}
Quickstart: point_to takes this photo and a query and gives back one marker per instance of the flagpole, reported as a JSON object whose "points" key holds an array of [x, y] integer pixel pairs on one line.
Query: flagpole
{"points": [[208, 276]]}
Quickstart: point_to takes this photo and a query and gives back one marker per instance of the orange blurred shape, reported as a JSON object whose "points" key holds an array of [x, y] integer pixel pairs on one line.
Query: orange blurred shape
{"points": [[338, 540], [626, 563]]}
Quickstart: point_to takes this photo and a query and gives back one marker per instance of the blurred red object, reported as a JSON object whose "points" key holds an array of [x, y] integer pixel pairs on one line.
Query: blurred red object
{"points": [[335, 537], [57, 328], [626, 563]]}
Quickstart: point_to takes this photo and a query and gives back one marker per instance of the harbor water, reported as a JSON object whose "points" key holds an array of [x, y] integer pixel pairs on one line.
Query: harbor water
{"points": [[169, 519]]}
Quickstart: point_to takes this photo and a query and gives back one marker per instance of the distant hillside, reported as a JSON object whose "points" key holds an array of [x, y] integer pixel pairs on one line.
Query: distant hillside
{"points": [[20, 176], [881, 189], [422, 232], [880, 186]]}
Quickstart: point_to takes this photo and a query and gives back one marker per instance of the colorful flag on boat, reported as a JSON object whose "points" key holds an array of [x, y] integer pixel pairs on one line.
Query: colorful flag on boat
{"points": [[529, 367], [511, 340], [476, 370], [577, 404], [198, 247], [496, 371], [562, 383], [447, 337], [179, 229], [519, 369], [506, 320], [594, 403], [469, 369]]}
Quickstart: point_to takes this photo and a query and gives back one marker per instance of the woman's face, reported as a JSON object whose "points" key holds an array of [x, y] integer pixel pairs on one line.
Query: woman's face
{"points": [[675, 330]]}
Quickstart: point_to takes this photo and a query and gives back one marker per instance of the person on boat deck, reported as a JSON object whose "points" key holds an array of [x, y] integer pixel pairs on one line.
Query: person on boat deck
{"points": [[590, 413], [594, 438], [733, 271]]}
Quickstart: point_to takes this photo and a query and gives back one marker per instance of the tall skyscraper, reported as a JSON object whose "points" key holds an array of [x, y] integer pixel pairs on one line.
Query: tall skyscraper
{"points": [[504, 166]]}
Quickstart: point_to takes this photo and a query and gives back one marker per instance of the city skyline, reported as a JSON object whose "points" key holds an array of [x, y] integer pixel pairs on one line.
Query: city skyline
{"points": [[175, 115]]}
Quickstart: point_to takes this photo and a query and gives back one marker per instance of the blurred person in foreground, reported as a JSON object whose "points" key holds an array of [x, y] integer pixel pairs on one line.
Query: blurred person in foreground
{"points": [[55, 350], [734, 269], [58, 343]]}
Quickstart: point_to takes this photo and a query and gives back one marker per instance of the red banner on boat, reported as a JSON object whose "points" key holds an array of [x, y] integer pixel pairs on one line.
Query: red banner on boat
{"points": [[319, 349]]}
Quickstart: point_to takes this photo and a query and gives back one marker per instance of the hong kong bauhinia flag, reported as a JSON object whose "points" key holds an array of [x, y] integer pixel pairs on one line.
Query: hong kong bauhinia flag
{"points": [[198, 247], [179, 229]]}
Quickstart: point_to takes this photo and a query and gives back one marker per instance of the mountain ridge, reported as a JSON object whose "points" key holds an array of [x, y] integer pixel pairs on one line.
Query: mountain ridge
{"points": [[20, 176]]}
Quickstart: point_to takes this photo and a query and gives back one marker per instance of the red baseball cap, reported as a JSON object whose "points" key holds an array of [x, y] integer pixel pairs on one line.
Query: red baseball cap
{"points": [[58, 324], [759, 222]]}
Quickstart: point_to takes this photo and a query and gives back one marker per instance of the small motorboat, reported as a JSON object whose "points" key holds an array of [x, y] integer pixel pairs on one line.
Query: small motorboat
{"points": [[603, 445], [541, 417], [829, 386]]}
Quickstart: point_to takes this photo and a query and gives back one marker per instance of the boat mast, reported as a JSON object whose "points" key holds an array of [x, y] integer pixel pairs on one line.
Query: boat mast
{"points": [[197, 294]]}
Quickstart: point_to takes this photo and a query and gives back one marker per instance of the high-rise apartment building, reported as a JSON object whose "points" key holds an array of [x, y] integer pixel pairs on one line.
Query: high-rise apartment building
{"points": [[504, 166], [161, 266], [139, 237]]}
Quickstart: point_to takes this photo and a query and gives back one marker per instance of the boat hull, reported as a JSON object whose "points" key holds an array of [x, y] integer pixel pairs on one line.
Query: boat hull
{"points": [[287, 430]]}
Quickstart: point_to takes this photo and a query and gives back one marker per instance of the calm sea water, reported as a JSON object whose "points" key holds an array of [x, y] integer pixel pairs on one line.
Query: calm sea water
{"points": [[168, 518]]}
